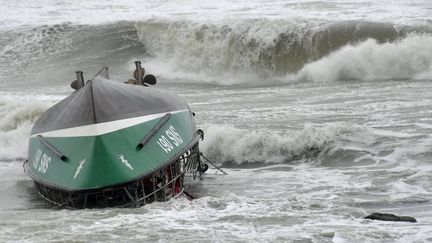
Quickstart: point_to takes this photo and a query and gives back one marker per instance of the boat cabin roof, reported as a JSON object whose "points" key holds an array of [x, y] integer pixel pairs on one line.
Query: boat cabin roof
{"points": [[104, 100]]}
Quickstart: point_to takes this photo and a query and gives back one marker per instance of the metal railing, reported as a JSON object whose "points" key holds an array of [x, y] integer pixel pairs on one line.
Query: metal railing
{"points": [[133, 194]]}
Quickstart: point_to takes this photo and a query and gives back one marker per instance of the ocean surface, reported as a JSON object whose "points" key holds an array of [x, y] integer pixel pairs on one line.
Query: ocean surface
{"points": [[319, 111]]}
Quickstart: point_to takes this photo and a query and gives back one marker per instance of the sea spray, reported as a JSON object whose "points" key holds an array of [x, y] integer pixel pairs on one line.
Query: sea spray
{"points": [[370, 60], [244, 52], [228, 52], [25, 113], [15, 127], [224, 143]]}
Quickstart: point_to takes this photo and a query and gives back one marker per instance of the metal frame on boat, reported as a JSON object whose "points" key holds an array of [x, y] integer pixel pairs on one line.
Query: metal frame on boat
{"points": [[160, 185]]}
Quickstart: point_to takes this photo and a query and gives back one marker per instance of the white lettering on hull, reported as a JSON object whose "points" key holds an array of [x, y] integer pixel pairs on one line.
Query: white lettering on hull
{"points": [[174, 139], [41, 161]]}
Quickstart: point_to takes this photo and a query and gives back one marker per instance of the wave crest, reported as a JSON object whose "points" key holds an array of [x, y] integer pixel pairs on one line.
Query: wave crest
{"points": [[231, 52], [222, 52], [15, 127], [409, 58], [226, 144], [25, 114], [47, 53]]}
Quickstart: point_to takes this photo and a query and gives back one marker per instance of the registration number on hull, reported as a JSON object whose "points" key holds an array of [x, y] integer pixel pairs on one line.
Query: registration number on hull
{"points": [[41, 161], [169, 140]]}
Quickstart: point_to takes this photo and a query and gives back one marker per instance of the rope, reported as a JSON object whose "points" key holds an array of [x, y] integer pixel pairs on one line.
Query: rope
{"points": [[215, 166]]}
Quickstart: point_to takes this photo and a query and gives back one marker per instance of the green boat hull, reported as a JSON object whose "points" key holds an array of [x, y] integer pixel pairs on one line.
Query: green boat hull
{"points": [[105, 160], [111, 144]]}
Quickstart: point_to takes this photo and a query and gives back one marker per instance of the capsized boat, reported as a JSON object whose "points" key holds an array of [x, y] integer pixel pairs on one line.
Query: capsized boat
{"points": [[114, 144]]}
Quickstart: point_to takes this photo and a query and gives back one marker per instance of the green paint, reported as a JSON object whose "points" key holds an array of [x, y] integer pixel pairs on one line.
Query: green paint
{"points": [[103, 165]]}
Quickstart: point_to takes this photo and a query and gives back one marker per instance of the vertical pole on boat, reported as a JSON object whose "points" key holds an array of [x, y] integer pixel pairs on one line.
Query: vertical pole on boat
{"points": [[80, 79], [154, 186], [139, 73], [181, 178], [173, 182], [143, 192], [164, 184]]}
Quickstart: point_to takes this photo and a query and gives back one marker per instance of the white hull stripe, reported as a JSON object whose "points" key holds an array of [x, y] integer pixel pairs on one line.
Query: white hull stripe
{"points": [[104, 127]]}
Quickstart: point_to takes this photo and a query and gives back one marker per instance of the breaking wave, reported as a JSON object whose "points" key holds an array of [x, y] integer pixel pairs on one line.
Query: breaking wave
{"points": [[15, 126], [46, 54], [226, 144], [408, 58], [256, 50], [339, 144], [222, 52]]}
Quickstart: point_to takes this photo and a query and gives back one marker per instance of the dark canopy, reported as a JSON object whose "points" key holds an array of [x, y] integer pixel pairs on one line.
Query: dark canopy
{"points": [[103, 100]]}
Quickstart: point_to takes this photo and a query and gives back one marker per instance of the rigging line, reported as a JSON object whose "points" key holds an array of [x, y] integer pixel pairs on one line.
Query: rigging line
{"points": [[100, 71], [217, 167]]}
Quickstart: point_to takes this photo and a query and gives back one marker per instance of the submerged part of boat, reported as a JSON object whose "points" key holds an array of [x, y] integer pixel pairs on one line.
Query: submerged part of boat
{"points": [[111, 144]]}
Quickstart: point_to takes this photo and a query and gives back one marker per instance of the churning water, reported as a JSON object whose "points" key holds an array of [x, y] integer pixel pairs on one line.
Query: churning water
{"points": [[320, 112]]}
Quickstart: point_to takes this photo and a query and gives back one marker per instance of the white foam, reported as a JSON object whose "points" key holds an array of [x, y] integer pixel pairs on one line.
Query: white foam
{"points": [[15, 125], [409, 58], [228, 144], [27, 12], [226, 52], [252, 51]]}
